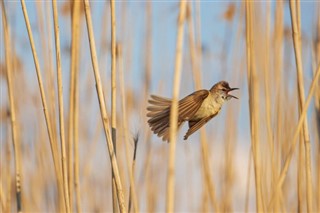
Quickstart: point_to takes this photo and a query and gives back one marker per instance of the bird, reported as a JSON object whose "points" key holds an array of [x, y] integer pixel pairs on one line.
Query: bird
{"points": [[197, 109]]}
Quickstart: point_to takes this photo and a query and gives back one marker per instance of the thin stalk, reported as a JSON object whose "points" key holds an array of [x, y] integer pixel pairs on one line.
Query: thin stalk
{"points": [[267, 87], [296, 34], [317, 100], [318, 103], [300, 166], [174, 108], [53, 143], [278, 61], [132, 195], [102, 105], [253, 102], [51, 79], [206, 170], [71, 108], [14, 126], [74, 103], [196, 72], [76, 147], [8, 176], [148, 75], [113, 95], [61, 110], [133, 165], [285, 168], [2, 196]]}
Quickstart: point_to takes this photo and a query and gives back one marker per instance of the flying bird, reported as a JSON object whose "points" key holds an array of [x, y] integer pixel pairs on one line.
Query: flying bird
{"points": [[197, 109]]}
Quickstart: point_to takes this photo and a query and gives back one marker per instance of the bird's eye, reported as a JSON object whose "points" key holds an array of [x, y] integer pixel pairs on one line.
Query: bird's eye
{"points": [[224, 90]]}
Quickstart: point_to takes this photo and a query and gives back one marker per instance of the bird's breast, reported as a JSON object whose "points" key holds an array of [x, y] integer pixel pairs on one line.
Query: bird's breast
{"points": [[208, 107]]}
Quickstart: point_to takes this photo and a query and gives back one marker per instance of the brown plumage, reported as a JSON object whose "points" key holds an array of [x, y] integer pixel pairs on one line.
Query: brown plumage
{"points": [[197, 108]]}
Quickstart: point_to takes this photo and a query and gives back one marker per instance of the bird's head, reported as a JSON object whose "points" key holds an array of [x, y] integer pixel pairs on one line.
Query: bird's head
{"points": [[223, 89]]}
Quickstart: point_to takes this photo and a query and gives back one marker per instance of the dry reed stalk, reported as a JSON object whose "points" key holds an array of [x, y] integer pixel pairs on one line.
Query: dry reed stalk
{"points": [[74, 103], [285, 168], [196, 72], [113, 95], [300, 176], [228, 171], [2, 197], [133, 166], [206, 170], [102, 105], [113, 73], [174, 108], [205, 203], [253, 104], [46, 52], [232, 115], [51, 79], [302, 147], [14, 125], [317, 100], [267, 87], [278, 65], [61, 109], [148, 76], [125, 121], [53, 142], [296, 34], [70, 147], [147, 85], [8, 176]]}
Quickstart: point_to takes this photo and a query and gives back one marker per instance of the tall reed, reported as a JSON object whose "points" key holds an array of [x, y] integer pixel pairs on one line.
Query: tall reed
{"points": [[174, 108], [253, 103], [113, 95], [73, 132], [246, 159], [53, 143], [14, 122], [104, 115], [296, 34], [61, 108]]}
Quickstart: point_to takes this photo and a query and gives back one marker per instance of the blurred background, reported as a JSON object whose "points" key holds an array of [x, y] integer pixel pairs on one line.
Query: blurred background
{"points": [[216, 174]]}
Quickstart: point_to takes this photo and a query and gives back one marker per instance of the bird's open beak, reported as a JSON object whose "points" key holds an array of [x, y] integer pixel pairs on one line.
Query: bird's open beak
{"points": [[231, 96]]}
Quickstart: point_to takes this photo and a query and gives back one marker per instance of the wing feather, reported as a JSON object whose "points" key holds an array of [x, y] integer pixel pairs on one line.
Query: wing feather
{"points": [[195, 125], [189, 105]]}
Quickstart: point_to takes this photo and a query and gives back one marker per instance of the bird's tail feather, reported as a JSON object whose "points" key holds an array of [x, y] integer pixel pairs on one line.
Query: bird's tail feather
{"points": [[159, 113]]}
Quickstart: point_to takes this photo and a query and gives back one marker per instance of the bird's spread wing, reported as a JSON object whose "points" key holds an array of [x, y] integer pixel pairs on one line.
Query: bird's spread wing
{"points": [[195, 125], [189, 105], [159, 111]]}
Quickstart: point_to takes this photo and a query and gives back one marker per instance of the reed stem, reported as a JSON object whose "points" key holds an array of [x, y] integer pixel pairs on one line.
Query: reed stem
{"points": [[53, 142], [174, 108], [296, 34], [14, 125], [285, 168], [102, 105], [61, 109], [253, 103]]}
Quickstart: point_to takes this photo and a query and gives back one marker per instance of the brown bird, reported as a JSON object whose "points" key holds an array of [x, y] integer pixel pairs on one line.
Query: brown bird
{"points": [[197, 108]]}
